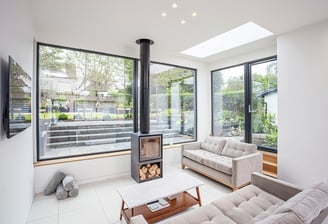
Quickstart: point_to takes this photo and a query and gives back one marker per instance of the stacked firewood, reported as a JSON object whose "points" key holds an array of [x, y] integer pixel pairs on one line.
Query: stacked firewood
{"points": [[149, 171]]}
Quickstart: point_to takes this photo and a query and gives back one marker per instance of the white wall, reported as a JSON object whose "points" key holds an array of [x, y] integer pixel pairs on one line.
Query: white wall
{"points": [[16, 154], [303, 105], [88, 171], [242, 58]]}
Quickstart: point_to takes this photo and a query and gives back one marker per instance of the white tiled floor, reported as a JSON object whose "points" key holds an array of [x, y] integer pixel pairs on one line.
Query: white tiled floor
{"points": [[100, 203]]}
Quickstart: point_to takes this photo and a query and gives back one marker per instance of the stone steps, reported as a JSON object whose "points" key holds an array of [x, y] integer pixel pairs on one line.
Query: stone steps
{"points": [[82, 135]]}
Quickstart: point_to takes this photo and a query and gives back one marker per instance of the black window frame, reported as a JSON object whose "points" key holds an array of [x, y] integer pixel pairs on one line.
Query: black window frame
{"points": [[247, 98], [134, 96]]}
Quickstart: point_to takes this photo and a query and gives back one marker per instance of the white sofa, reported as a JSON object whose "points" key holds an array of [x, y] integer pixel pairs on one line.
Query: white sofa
{"points": [[226, 161]]}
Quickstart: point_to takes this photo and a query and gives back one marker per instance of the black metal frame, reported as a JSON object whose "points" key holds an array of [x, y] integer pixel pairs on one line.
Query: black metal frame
{"points": [[195, 95], [247, 98], [37, 92], [134, 92]]}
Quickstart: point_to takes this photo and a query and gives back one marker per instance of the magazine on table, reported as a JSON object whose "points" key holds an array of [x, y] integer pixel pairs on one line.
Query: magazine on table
{"points": [[157, 205]]}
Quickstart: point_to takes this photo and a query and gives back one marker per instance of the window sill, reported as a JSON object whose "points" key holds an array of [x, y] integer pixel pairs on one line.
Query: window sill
{"points": [[90, 157], [80, 158]]}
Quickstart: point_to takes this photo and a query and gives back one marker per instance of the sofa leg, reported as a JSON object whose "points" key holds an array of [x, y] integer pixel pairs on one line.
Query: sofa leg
{"points": [[234, 188], [183, 166]]}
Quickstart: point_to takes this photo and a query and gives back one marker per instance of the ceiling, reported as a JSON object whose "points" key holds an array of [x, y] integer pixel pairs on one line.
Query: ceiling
{"points": [[124, 21]]}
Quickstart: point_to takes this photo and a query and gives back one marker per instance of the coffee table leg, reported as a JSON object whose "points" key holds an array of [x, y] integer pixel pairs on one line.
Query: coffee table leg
{"points": [[122, 208], [198, 196], [132, 212]]}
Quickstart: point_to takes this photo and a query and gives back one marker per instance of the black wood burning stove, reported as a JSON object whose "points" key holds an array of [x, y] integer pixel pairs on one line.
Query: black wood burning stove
{"points": [[146, 148]]}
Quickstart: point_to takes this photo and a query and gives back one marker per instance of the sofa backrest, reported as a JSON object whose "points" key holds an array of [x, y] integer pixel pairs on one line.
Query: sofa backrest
{"points": [[236, 149], [213, 144]]}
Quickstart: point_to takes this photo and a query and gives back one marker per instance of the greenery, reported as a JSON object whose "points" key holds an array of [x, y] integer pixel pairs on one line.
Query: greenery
{"points": [[62, 117], [229, 104]]}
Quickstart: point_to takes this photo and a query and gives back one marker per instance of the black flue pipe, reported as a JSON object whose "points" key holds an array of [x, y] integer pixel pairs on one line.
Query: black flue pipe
{"points": [[144, 83]]}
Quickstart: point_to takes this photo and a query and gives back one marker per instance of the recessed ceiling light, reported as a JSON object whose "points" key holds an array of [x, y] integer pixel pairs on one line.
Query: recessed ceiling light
{"points": [[163, 14], [174, 5], [241, 35], [183, 21], [194, 14]]}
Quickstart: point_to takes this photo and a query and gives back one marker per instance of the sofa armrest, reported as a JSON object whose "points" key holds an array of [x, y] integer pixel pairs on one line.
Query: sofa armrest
{"points": [[139, 219], [279, 188], [244, 166]]}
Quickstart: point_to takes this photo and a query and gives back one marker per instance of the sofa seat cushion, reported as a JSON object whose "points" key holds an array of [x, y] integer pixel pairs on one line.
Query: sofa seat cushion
{"points": [[220, 163], [213, 144], [208, 214], [248, 205], [236, 149], [198, 155]]}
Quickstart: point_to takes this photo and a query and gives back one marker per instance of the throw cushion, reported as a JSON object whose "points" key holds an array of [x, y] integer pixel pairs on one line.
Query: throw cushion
{"points": [[213, 144], [53, 183], [236, 149], [307, 204]]}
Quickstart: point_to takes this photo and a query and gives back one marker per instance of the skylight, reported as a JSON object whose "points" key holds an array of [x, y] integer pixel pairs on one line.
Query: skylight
{"points": [[238, 36]]}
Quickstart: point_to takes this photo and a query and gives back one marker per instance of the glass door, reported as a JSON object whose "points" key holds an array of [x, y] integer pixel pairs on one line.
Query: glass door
{"points": [[263, 107], [228, 97]]}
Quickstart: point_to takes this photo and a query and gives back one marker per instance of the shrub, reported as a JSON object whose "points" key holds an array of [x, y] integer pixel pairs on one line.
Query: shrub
{"points": [[62, 117]]}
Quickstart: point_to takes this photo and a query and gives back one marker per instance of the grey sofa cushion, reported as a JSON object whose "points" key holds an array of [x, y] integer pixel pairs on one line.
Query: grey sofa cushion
{"points": [[235, 149], [307, 204], [53, 183], [220, 163], [248, 205], [198, 154], [281, 218], [207, 214], [213, 144]]}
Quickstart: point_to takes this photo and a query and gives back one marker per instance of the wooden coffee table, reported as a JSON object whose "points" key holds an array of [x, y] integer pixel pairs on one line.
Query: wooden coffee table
{"points": [[135, 197]]}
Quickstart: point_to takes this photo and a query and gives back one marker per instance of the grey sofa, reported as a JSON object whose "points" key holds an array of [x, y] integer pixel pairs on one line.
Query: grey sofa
{"points": [[226, 161], [266, 201]]}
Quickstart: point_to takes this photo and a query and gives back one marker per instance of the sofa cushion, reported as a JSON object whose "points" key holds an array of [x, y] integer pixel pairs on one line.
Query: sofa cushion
{"points": [[207, 214], [220, 163], [307, 204], [281, 218], [213, 144], [235, 149], [248, 205], [198, 155]]}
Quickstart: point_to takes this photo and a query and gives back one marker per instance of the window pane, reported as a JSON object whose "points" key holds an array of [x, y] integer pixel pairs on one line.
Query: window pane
{"points": [[264, 101], [172, 103], [85, 102], [228, 102]]}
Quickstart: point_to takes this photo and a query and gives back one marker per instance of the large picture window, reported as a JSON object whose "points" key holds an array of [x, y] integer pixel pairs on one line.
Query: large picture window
{"points": [[173, 102], [86, 102], [244, 103]]}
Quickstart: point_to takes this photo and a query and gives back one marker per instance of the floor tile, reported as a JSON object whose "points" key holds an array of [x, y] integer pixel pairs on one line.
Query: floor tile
{"points": [[107, 190], [43, 208], [85, 215], [87, 196], [47, 220], [112, 210]]}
